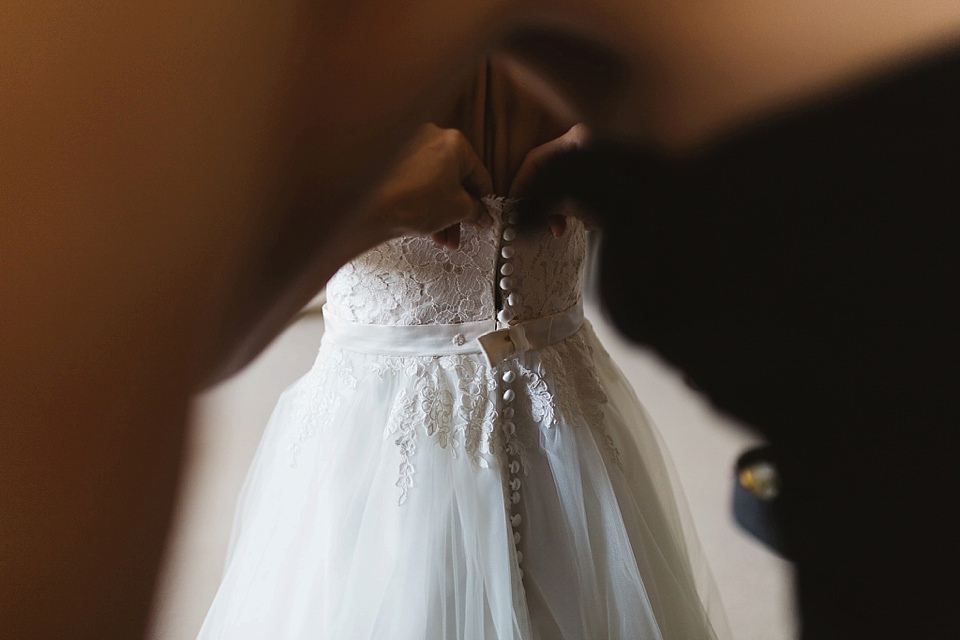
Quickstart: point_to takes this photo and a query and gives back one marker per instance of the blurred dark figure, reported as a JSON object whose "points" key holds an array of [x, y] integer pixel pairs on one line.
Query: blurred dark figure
{"points": [[804, 273]]}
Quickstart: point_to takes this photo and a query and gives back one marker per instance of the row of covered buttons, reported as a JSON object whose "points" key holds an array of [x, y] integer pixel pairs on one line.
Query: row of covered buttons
{"points": [[513, 466], [510, 300]]}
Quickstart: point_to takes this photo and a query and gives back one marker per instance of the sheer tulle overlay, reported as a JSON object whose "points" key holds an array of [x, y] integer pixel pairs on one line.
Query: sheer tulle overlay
{"points": [[406, 497]]}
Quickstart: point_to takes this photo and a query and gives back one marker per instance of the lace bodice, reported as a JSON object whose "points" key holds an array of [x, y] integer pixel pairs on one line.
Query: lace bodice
{"points": [[412, 281]]}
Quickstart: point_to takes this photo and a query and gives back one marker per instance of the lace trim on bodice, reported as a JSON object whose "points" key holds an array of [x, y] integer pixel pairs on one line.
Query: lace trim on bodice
{"points": [[454, 401], [412, 281]]}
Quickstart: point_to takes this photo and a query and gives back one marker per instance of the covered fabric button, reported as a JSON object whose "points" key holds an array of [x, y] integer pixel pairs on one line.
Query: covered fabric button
{"points": [[519, 556], [506, 269], [515, 497], [506, 283], [508, 413], [515, 484], [515, 468], [516, 537], [504, 316], [513, 299], [509, 234], [515, 519], [507, 252], [509, 395], [509, 376], [459, 339], [510, 428]]}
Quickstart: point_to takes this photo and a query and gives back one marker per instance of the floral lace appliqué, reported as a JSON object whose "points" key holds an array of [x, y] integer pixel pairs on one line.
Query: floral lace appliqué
{"points": [[577, 389], [451, 404], [325, 384]]}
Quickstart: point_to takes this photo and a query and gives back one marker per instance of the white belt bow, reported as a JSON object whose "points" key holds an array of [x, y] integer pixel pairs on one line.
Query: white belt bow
{"points": [[446, 339], [500, 344]]}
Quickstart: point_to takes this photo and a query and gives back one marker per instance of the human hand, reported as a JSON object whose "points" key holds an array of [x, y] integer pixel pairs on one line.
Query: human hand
{"points": [[575, 138], [436, 185]]}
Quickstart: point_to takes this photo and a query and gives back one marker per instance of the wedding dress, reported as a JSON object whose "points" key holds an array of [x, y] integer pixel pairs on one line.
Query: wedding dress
{"points": [[463, 462]]}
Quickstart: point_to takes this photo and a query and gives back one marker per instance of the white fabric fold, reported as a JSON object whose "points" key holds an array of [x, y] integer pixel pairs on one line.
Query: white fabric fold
{"points": [[406, 340], [451, 339]]}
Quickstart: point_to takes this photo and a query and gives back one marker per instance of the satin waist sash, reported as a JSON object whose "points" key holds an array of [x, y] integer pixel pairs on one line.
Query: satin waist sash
{"points": [[481, 336]]}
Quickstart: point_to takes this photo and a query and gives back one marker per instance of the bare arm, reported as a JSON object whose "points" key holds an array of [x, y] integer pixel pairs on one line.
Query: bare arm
{"points": [[144, 160], [682, 72], [435, 185]]}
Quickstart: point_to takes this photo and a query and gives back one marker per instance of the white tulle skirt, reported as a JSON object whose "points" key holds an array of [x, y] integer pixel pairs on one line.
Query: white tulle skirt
{"points": [[378, 507]]}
